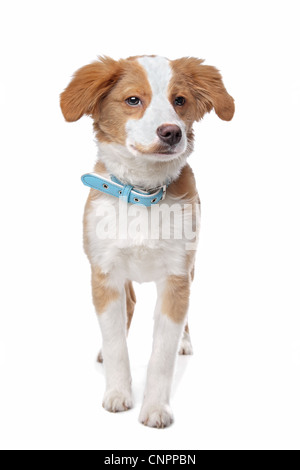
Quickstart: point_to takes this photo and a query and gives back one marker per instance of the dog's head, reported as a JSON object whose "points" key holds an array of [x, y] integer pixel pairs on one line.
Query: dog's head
{"points": [[147, 104]]}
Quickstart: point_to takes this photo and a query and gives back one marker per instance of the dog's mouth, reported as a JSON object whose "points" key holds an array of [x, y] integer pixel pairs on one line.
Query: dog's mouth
{"points": [[155, 150], [166, 152]]}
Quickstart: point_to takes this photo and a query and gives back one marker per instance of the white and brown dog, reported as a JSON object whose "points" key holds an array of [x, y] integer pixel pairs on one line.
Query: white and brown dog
{"points": [[143, 110]]}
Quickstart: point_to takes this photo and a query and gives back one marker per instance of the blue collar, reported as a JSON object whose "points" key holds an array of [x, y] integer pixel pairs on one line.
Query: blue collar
{"points": [[127, 193]]}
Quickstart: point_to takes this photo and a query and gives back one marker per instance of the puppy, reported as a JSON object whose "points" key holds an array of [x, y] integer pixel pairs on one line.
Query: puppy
{"points": [[143, 110]]}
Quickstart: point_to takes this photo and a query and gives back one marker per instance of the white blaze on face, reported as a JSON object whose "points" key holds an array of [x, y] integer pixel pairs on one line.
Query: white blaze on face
{"points": [[160, 111]]}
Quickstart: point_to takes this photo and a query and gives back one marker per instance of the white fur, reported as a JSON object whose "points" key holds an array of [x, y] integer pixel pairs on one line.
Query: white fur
{"points": [[134, 255], [160, 111], [140, 170], [116, 361], [156, 411]]}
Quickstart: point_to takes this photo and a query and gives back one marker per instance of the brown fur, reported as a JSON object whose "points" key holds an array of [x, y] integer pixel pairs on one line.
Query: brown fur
{"points": [[90, 84], [111, 117], [190, 263], [130, 302], [100, 90], [185, 185], [193, 273], [176, 298], [185, 188], [203, 88], [103, 295]]}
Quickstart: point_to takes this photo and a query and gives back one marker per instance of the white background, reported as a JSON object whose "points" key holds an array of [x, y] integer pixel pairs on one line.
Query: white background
{"points": [[241, 389]]}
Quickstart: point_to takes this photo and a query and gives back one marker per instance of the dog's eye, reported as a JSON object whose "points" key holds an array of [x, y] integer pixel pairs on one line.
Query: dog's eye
{"points": [[179, 101], [133, 101]]}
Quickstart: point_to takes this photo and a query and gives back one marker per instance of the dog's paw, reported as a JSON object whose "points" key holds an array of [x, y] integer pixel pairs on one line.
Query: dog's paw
{"points": [[100, 357], [156, 416], [186, 348], [116, 401]]}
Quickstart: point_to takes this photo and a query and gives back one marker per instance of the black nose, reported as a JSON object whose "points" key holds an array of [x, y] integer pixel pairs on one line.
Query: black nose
{"points": [[169, 134]]}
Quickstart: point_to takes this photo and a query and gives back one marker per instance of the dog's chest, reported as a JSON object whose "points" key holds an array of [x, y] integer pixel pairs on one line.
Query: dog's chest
{"points": [[135, 242]]}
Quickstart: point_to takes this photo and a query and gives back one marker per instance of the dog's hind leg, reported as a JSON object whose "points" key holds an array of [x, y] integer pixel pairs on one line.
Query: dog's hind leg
{"points": [[186, 348], [130, 306], [130, 302]]}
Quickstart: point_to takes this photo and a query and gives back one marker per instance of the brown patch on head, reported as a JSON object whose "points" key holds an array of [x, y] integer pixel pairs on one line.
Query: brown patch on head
{"points": [[113, 113], [176, 298], [203, 89], [100, 90], [103, 294]]}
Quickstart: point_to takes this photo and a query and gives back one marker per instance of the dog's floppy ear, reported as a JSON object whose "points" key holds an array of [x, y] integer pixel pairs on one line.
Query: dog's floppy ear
{"points": [[206, 84], [89, 85]]}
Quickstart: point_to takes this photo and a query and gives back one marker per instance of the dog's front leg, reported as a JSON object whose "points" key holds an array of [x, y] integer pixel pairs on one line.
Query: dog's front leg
{"points": [[171, 311], [110, 306]]}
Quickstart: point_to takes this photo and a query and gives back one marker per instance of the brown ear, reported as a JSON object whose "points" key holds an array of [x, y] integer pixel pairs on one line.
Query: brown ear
{"points": [[89, 84], [207, 87], [210, 80]]}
